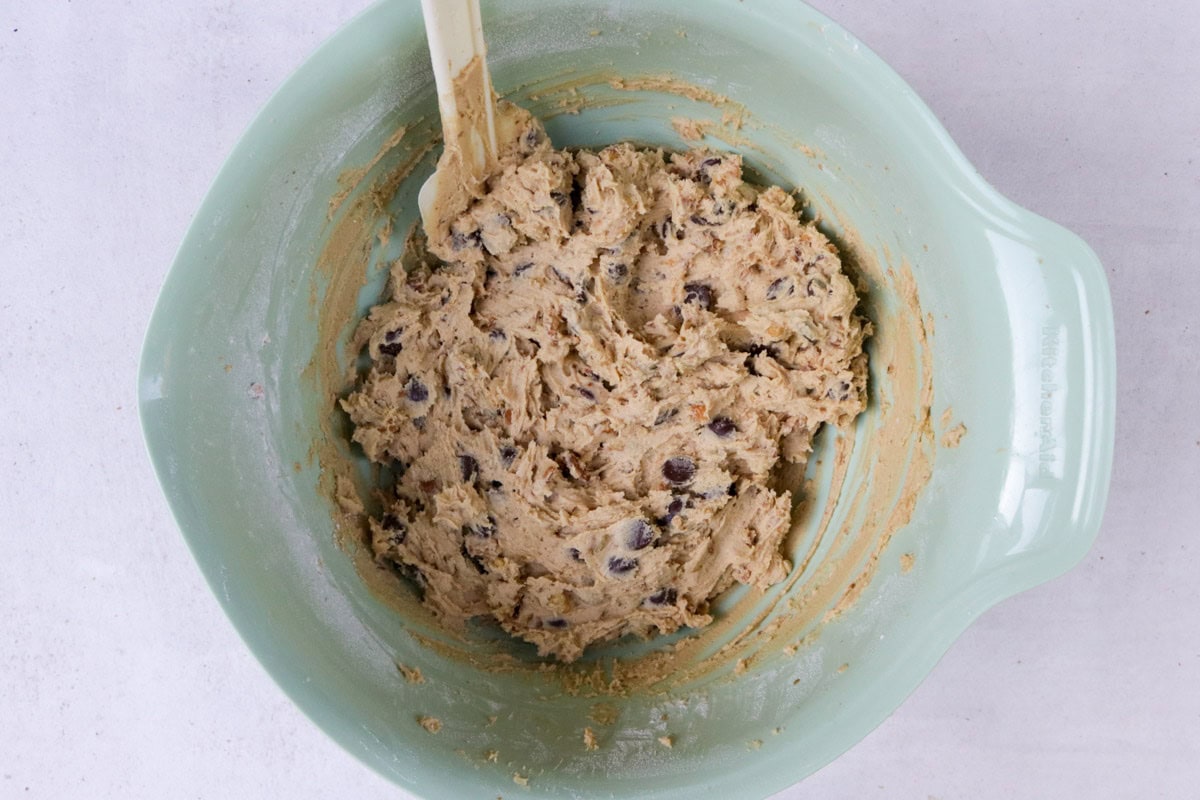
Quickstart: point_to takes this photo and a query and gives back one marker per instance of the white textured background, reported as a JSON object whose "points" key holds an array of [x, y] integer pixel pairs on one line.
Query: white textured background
{"points": [[119, 675]]}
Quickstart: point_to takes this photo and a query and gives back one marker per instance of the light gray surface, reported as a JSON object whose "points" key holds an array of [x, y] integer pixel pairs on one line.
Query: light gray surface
{"points": [[119, 675]]}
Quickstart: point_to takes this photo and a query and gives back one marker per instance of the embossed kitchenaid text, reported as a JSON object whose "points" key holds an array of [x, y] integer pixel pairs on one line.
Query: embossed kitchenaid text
{"points": [[1047, 444]]}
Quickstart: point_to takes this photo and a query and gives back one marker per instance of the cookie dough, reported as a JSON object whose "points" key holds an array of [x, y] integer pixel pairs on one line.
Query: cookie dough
{"points": [[586, 386]]}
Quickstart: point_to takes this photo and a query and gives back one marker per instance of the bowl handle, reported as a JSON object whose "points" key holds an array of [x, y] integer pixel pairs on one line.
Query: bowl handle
{"points": [[1065, 390]]}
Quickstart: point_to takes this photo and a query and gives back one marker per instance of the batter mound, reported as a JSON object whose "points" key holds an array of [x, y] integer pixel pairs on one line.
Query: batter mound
{"points": [[586, 386]]}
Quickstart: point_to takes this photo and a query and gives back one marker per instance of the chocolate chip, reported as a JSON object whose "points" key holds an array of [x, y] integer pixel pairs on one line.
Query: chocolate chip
{"points": [[419, 423], [673, 510], [563, 278], [732, 490], [618, 565], [468, 467], [531, 138], [559, 197], [702, 171], [557, 622], [497, 335], [481, 530], [778, 286], [587, 393], [679, 470], [391, 343], [757, 350], [574, 553], [639, 535], [474, 559], [417, 392], [508, 454], [723, 427], [663, 597], [618, 271], [665, 415], [496, 485], [699, 220], [459, 241], [839, 392], [521, 269], [396, 529], [699, 293]]}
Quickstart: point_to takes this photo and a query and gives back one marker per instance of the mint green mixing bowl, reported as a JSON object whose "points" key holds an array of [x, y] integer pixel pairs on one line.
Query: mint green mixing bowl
{"points": [[1022, 350]]}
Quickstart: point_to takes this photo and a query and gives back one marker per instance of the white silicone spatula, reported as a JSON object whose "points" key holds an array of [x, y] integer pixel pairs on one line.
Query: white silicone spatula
{"points": [[455, 32]]}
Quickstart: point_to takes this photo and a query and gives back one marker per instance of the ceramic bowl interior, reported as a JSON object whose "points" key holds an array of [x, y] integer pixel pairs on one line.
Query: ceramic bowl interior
{"points": [[1018, 342]]}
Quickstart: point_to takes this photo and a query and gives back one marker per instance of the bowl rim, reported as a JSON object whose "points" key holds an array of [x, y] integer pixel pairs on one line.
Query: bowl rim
{"points": [[779, 768]]}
